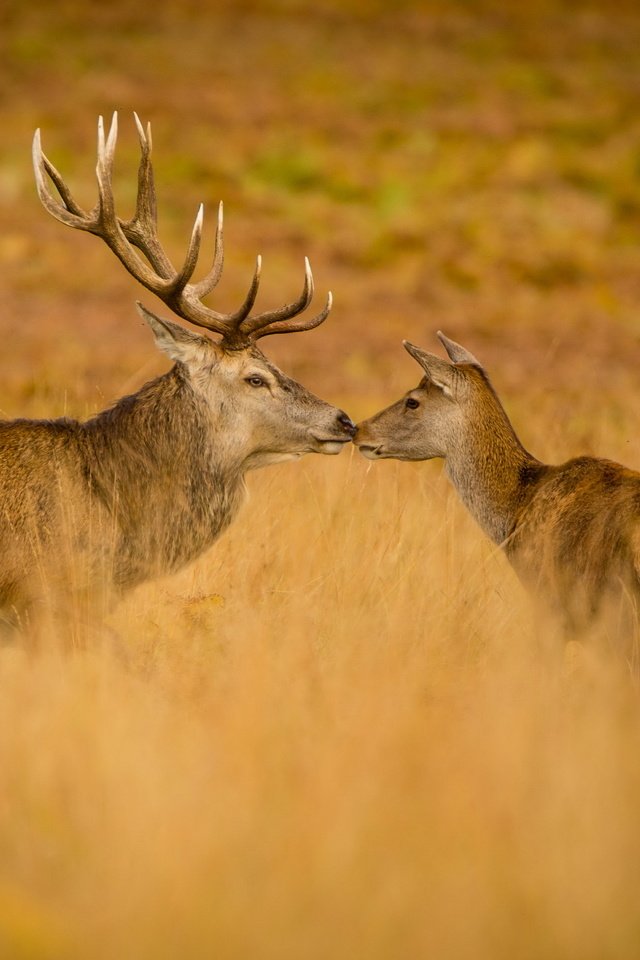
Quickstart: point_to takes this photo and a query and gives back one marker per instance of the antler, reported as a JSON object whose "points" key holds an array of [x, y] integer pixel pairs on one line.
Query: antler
{"points": [[173, 287]]}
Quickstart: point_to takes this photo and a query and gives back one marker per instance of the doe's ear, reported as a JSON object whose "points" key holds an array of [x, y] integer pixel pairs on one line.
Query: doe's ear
{"points": [[440, 372], [178, 344], [456, 351]]}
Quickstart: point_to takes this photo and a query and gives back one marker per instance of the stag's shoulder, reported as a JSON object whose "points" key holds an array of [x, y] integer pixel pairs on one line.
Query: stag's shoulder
{"points": [[36, 434], [33, 452]]}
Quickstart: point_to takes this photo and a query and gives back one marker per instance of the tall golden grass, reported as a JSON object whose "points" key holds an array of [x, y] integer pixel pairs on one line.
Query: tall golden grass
{"points": [[338, 735], [341, 734]]}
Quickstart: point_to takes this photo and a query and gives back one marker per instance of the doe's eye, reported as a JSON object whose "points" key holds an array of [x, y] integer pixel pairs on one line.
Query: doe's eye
{"points": [[255, 381], [411, 403]]}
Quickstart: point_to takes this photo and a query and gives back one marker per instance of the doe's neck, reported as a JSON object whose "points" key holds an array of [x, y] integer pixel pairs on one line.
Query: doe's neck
{"points": [[488, 465]]}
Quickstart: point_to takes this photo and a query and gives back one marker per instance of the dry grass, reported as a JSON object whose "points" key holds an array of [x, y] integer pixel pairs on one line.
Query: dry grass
{"points": [[340, 734], [337, 736]]}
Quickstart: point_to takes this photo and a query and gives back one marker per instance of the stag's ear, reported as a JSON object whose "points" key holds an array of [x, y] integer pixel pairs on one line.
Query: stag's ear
{"points": [[178, 344], [440, 372], [457, 352]]}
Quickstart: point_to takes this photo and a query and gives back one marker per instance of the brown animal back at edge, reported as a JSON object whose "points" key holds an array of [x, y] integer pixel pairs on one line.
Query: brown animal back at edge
{"points": [[28, 445], [577, 535], [40, 488], [32, 453]]}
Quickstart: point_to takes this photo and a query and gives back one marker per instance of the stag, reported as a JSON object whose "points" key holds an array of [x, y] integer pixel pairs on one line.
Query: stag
{"points": [[571, 531], [90, 509]]}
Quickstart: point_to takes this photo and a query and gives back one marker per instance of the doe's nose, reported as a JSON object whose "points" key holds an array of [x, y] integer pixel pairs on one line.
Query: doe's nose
{"points": [[346, 423]]}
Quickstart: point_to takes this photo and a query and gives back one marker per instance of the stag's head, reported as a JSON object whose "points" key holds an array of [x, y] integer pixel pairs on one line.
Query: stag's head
{"points": [[431, 419], [266, 415]]}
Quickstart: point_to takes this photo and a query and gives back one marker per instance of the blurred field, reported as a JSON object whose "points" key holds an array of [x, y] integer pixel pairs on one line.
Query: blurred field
{"points": [[337, 735]]}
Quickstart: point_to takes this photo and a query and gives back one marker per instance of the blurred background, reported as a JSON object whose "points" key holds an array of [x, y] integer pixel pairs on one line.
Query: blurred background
{"points": [[336, 734], [470, 166]]}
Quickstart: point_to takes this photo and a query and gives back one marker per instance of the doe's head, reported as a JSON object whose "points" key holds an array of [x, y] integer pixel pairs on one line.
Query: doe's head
{"points": [[428, 420]]}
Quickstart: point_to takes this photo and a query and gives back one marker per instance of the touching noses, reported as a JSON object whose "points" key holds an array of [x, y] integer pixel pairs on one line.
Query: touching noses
{"points": [[346, 423]]}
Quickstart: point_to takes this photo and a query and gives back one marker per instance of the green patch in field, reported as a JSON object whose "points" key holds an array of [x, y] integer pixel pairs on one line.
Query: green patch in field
{"points": [[288, 167]]}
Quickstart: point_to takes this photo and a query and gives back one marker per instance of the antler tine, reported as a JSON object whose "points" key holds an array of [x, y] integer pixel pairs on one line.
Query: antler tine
{"points": [[236, 320], [286, 326], [146, 206], [182, 278], [206, 285], [71, 213], [166, 282], [104, 168], [254, 324], [104, 223], [141, 229], [154, 270]]}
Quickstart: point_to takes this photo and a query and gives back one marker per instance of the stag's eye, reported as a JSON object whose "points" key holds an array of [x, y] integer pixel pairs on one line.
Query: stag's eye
{"points": [[256, 381], [411, 403]]}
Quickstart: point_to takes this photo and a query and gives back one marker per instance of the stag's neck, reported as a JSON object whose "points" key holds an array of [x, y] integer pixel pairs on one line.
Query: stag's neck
{"points": [[491, 470], [156, 461]]}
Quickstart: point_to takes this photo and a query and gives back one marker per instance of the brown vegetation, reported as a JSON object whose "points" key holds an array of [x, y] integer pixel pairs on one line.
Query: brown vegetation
{"points": [[334, 736]]}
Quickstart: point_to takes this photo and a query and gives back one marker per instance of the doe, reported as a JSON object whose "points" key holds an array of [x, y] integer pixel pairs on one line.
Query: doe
{"points": [[571, 531]]}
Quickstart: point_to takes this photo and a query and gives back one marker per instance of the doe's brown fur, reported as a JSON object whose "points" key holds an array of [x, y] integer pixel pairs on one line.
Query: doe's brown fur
{"points": [[571, 531]]}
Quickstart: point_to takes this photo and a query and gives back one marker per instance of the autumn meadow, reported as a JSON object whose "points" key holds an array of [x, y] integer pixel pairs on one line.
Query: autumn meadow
{"points": [[340, 735]]}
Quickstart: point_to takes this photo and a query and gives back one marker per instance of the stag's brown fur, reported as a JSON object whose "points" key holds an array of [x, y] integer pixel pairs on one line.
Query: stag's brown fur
{"points": [[143, 488], [88, 510], [571, 531]]}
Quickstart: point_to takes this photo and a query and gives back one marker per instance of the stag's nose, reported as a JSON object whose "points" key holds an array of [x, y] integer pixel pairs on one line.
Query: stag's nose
{"points": [[346, 423]]}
